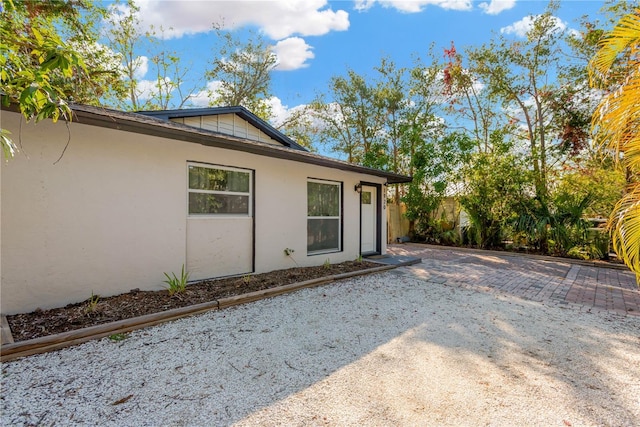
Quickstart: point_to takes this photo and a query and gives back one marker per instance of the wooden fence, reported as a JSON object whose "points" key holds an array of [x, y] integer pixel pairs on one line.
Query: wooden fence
{"points": [[398, 224]]}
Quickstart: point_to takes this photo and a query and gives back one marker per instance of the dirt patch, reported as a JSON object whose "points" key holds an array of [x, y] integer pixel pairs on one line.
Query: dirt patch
{"points": [[138, 303]]}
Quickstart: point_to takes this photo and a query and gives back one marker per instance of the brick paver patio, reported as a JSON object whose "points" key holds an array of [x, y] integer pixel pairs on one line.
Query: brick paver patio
{"points": [[543, 279]]}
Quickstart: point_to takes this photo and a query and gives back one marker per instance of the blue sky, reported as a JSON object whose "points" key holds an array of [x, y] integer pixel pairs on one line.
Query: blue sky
{"points": [[318, 39]]}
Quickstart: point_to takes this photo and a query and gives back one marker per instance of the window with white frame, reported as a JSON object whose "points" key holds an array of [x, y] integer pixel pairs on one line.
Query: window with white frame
{"points": [[324, 216], [218, 190]]}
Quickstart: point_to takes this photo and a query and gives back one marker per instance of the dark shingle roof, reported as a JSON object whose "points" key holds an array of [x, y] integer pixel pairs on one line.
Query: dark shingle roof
{"points": [[147, 124]]}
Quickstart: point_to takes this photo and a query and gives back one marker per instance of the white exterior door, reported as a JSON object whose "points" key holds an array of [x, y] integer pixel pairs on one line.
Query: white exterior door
{"points": [[368, 220]]}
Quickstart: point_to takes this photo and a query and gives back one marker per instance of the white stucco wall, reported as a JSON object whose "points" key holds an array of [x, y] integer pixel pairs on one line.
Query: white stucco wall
{"points": [[111, 215]]}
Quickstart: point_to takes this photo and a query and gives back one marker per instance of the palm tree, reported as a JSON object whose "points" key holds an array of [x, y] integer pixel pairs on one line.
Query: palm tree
{"points": [[616, 123]]}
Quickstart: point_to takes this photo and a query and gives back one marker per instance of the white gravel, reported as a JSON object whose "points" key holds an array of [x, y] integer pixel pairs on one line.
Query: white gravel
{"points": [[386, 349]]}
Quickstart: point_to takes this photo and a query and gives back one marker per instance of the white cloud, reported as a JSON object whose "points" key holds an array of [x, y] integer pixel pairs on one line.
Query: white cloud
{"points": [[363, 4], [145, 89], [279, 19], [496, 6], [279, 113], [292, 54], [414, 6], [140, 67], [575, 33], [205, 97], [519, 28], [522, 27]]}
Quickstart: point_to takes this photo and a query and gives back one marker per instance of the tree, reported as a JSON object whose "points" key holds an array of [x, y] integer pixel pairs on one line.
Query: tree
{"points": [[494, 183], [518, 74], [243, 69], [298, 126], [547, 103], [436, 163], [425, 152], [598, 177], [352, 122], [392, 94], [411, 98], [470, 101], [380, 121], [575, 103], [42, 71], [389, 122], [169, 91], [127, 41], [616, 125], [125, 36]]}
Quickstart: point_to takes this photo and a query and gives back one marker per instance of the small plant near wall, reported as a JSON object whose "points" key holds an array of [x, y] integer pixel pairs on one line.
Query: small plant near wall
{"points": [[246, 279], [327, 264], [289, 252], [175, 284], [359, 259], [92, 303]]}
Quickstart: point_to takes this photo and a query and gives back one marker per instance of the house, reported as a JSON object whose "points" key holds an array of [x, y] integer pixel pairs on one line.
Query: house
{"points": [[111, 200]]}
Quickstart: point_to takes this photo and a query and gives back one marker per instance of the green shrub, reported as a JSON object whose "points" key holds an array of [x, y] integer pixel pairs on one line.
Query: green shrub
{"points": [[578, 252], [175, 284]]}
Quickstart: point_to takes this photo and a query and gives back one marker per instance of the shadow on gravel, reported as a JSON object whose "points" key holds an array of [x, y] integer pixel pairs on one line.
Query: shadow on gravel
{"points": [[234, 365]]}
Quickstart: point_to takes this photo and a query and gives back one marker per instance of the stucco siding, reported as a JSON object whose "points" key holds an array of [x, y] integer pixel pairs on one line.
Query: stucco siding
{"points": [[102, 220], [111, 214], [218, 247]]}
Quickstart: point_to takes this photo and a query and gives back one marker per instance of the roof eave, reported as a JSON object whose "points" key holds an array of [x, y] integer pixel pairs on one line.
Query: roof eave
{"points": [[148, 125]]}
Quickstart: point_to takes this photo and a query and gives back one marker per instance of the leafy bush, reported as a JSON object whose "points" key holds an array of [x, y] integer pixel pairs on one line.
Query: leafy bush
{"points": [[578, 252], [495, 184], [554, 226]]}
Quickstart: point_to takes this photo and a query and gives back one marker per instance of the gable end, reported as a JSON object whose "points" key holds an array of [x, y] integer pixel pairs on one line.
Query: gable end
{"points": [[235, 121]]}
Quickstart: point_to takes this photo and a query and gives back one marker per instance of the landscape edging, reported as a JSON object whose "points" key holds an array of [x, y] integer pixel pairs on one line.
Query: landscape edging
{"points": [[79, 336]]}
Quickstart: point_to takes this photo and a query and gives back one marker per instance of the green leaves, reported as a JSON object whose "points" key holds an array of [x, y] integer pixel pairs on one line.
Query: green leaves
{"points": [[40, 71], [244, 69], [495, 184], [175, 284], [8, 147]]}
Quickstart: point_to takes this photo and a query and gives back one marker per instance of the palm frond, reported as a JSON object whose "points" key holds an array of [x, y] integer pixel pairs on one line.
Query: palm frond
{"points": [[616, 124], [617, 118], [624, 35], [625, 227]]}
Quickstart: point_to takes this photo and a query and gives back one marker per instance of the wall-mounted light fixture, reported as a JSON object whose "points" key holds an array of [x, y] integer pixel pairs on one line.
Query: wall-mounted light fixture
{"points": [[358, 188]]}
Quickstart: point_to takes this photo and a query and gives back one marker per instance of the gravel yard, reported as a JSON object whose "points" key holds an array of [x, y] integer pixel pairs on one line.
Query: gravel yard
{"points": [[384, 349]]}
